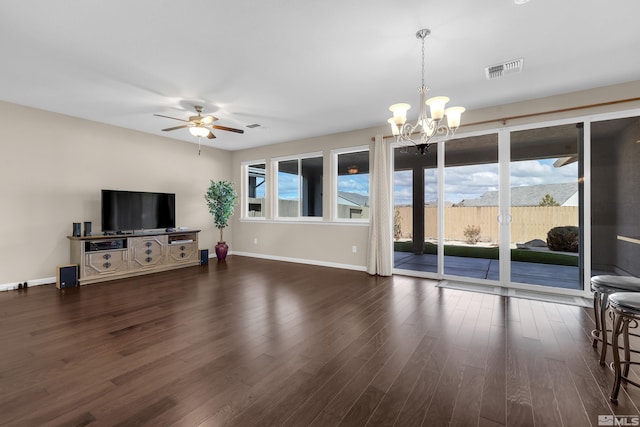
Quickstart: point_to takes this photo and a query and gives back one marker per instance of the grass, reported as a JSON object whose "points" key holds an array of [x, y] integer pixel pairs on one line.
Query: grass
{"points": [[523, 255]]}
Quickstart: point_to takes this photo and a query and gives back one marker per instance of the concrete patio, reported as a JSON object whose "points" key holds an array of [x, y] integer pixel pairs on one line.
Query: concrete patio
{"points": [[557, 276]]}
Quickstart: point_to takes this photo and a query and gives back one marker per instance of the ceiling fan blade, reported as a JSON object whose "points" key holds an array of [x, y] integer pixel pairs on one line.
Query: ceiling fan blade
{"points": [[211, 135], [176, 127], [227, 129], [173, 118], [208, 119]]}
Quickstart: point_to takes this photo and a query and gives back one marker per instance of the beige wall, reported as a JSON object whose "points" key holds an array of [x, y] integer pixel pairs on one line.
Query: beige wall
{"points": [[605, 99], [322, 243], [54, 166]]}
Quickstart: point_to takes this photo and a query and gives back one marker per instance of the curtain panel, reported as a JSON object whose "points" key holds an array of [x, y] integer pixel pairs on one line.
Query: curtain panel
{"points": [[379, 255]]}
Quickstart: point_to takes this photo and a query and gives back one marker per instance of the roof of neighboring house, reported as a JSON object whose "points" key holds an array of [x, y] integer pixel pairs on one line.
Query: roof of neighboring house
{"points": [[435, 204], [355, 198], [530, 195]]}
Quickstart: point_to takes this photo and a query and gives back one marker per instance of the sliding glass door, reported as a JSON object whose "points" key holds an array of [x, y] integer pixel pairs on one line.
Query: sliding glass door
{"points": [[501, 208], [471, 189], [441, 226], [415, 211], [545, 209]]}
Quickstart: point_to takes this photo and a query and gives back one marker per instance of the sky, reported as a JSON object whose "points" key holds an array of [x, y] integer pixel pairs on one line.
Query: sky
{"points": [[470, 182], [260, 188], [462, 182], [288, 185], [358, 183]]}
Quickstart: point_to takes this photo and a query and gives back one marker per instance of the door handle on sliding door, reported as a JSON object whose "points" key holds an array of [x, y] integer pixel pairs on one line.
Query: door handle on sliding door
{"points": [[502, 217]]}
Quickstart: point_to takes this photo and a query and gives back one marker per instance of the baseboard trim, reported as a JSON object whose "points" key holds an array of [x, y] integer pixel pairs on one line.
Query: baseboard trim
{"points": [[301, 261], [30, 283], [212, 254]]}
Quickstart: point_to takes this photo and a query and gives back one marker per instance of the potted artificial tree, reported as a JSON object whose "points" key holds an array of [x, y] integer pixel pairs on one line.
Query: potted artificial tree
{"points": [[221, 198]]}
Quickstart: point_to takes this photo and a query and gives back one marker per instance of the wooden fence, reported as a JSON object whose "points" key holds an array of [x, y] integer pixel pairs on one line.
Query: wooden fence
{"points": [[528, 222]]}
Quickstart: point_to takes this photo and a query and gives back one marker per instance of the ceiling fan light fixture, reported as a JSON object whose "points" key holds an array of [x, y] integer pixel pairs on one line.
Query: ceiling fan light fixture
{"points": [[199, 126], [199, 131]]}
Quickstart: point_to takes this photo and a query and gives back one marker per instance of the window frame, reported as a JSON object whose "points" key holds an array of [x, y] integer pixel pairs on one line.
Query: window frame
{"points": [[245, 190], [334, 187], [276, 201]]}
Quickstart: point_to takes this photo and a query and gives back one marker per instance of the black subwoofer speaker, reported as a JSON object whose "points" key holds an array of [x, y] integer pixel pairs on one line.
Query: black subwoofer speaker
{"points": [[87, 228], [204, 256], [67, 276]]}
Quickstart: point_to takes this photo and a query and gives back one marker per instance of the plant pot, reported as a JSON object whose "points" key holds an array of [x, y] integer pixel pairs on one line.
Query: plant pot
{"points": [[221, 250]]}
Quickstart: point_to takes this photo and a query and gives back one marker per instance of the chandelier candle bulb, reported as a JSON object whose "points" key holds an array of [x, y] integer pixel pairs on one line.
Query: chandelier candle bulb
{"points": [[399, 113], [394, 127], [437, 104], [454, 115]]}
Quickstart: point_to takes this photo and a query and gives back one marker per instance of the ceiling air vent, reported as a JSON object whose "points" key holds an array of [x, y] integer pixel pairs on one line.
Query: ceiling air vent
{"points": [[255, 125], [499, 70]]}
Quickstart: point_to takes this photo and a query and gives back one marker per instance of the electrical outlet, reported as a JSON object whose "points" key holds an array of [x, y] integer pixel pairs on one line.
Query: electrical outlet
{"points": [[354, 249], [255, 240]]}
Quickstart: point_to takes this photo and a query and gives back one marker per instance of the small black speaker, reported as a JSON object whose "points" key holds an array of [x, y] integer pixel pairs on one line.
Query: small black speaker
{"points": [[67, 276], [204, 256], [87, 228], [76, 229]]}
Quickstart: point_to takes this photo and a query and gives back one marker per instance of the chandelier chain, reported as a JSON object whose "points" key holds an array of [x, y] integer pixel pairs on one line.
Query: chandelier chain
{"points": [[422, 61]]}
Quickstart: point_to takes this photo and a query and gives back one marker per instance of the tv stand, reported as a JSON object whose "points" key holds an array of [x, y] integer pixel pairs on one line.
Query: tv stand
{"points": [[116, 256]]}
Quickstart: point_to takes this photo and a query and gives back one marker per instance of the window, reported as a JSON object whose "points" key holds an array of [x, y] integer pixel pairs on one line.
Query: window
{"points": [[352, 183], [255, 179], [299, 186]]}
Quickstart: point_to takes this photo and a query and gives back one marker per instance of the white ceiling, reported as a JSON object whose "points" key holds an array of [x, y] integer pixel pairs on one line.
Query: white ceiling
{"points": [[300, 68]]}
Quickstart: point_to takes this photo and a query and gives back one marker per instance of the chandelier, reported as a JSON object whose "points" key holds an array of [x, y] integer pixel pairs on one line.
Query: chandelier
{"points": [[426, 127]]}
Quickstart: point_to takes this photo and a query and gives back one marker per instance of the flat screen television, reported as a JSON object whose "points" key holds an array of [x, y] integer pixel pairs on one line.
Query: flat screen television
{"points": [[128, 211]]}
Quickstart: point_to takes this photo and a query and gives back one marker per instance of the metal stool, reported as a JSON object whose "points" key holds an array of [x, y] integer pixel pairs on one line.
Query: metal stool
{"points": [[625, 307], [602, 287]]}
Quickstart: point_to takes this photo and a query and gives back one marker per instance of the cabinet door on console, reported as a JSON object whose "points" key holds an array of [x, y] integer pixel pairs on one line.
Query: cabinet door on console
{"points": [[183, 252], [104, 263], [148, 251]]}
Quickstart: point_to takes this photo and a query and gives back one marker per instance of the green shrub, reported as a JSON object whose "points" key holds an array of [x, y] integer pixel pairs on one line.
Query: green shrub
{"points": [[564, 239]]}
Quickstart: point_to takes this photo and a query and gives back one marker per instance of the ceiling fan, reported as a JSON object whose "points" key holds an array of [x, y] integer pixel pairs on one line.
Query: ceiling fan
{"points": [[200, 125]]}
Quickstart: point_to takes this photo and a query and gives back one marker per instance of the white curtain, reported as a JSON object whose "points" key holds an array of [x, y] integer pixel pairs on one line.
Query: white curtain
{"points": [[380, 255]]}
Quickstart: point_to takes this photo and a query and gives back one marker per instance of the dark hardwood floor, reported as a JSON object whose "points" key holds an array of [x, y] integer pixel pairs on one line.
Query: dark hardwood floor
{"points": [[254, 342]]}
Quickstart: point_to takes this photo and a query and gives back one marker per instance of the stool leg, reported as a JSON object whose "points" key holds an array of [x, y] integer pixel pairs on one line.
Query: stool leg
{"points": [[596, 312], [627, 350], [604, 303], [615, 349]]}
